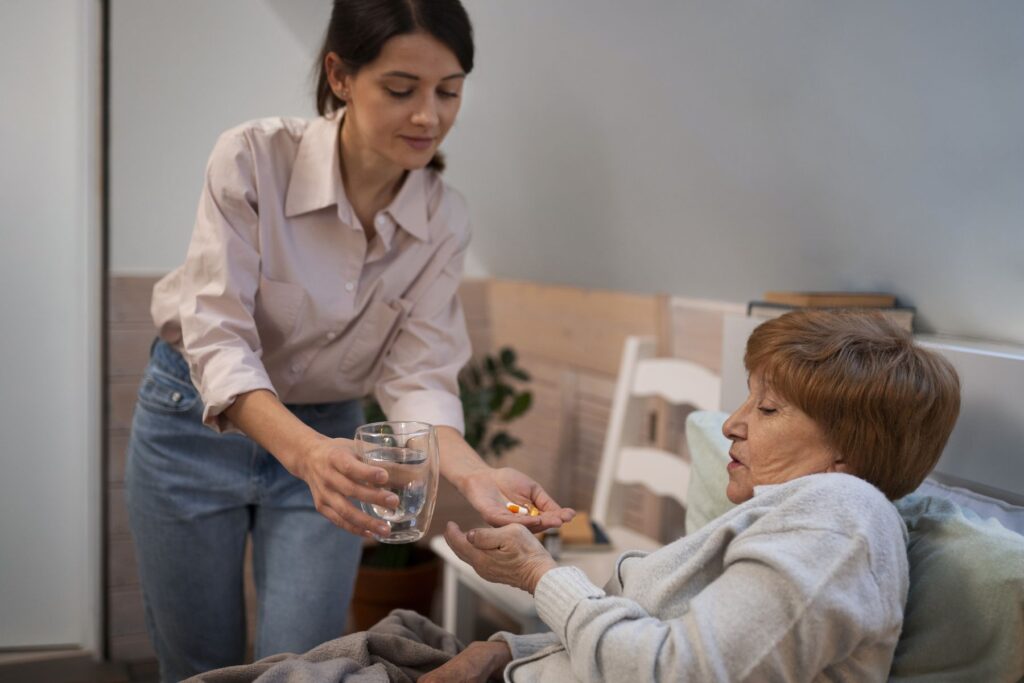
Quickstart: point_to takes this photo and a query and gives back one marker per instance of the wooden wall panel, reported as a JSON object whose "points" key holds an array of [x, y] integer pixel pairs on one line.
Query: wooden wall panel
{"points": [[473, 295], [129, 298], [130, 333], [693, 329], [542, 428], [579, 328]]}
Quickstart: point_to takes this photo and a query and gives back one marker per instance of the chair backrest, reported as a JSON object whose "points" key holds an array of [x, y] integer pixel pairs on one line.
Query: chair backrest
{"points": [[627, 458]]}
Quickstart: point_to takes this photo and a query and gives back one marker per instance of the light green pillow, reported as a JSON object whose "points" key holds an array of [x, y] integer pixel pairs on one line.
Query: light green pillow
{"points": [[709, 455], [964, 619]]}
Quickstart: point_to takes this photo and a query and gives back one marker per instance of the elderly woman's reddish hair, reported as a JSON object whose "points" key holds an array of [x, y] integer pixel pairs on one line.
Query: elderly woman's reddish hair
{"points": [[885, 404]]}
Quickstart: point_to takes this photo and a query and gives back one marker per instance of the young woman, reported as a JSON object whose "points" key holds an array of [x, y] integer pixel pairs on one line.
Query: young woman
{"points": [[324, 265]]}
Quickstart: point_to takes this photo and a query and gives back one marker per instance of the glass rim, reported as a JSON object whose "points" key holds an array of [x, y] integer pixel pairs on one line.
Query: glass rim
{"points": [[418, 427]]}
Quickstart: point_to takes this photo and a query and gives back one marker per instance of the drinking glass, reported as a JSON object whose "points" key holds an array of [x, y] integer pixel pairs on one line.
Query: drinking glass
{"points": [[407, 451]]}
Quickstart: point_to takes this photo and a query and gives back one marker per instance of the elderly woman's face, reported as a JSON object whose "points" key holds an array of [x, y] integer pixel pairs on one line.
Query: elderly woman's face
{"points": [[773, 442]]}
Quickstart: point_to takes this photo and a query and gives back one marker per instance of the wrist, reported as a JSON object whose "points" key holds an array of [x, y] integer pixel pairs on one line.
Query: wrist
{"points": [[296, 457], [498, 654], [542, 568], [462, 479], [459, 462]]}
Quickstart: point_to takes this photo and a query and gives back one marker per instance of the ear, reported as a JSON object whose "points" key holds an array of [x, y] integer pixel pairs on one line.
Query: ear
{"points": [[337, 75]]}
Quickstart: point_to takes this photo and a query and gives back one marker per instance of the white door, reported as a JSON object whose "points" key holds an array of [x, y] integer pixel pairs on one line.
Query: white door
{"points": [[50, 317]]}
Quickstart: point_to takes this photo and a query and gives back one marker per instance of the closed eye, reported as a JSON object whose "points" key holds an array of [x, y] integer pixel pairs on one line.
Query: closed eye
{"points": [[767, 411], [399, 94], [448, 95]]}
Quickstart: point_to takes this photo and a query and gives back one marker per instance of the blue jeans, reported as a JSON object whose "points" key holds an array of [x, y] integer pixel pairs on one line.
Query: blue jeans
{"points": [[193, 496]]}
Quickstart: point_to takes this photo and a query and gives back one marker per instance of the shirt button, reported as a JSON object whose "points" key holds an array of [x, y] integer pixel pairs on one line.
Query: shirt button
{"points": [[331, 335], [349, 286], [296, 367], [381, 221], [176, 397]]}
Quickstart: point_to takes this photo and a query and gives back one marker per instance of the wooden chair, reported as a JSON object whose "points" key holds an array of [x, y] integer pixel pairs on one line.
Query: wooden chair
{"points": [[627, 459]]}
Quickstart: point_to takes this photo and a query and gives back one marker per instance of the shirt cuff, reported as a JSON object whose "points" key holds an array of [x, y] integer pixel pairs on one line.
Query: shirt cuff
{"points": [[559, 592], [432, 406], [524, 646], [221, 383]]}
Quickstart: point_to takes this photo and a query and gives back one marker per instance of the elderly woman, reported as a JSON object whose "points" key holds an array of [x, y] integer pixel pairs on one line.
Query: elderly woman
{"points": [[805, 579]]}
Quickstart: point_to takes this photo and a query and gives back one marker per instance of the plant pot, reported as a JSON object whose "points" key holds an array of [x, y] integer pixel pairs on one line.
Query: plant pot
{"points": [[379, 590]]}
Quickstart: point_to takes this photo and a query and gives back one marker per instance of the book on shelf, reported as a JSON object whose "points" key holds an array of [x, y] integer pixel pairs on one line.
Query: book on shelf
{"points": [[901, 315], [831, 299]]}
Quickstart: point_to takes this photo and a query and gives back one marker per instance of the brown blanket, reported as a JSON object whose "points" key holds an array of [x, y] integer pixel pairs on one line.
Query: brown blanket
{"points": [[400, 648]]}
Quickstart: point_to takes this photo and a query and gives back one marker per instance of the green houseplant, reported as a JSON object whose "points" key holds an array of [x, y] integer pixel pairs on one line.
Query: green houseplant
{"points": [[492, 394]]}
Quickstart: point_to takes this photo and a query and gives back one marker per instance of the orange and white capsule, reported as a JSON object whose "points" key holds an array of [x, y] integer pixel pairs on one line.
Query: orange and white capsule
{"points": [[516, 509]]}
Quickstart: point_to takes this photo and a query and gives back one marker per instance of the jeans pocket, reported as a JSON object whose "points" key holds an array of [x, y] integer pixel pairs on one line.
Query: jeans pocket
{"points": [[163, 393]]}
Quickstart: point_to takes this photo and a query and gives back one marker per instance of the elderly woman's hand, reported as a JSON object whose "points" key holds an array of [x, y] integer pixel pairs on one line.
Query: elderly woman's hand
{"points": [[479, 662], [508, 554]]}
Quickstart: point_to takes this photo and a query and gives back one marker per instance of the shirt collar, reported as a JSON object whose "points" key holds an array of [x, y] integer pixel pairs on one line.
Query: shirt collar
{"points": [[316, 175], [409, 207], [316, 181]]}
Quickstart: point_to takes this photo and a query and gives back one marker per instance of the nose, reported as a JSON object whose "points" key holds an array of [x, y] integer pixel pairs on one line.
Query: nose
{"points": [[735, 427], [425, 115]]}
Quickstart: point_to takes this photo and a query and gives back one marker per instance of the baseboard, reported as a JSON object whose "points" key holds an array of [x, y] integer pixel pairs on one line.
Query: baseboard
{"points": [[59, 666]]}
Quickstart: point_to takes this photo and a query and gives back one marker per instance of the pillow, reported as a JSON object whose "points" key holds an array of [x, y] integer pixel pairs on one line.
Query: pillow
{"points": [[709, 455], [964, 619], [1010, 516]]}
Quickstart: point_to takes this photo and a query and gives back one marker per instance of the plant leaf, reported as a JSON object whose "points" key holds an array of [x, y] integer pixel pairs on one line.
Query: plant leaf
{"points": [[501, 392], [372, 412], [503, 441], [520, 374], [519, 406]]}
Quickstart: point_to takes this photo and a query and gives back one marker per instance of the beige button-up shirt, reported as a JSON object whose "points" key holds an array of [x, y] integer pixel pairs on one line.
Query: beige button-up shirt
{"points": [[281, 290]]}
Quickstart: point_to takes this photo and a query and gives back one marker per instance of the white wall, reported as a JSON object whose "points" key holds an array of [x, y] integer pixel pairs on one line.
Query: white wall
{"points": [[702, 149], [49, 275], [181, 73], [721, 149]]}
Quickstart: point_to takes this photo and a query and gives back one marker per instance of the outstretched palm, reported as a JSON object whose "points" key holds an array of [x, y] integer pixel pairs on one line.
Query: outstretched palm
{"points": [[490, 489]]}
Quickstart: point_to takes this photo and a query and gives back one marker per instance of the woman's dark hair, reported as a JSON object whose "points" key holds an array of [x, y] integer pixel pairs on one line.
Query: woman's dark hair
{"points": [[359, 28]]}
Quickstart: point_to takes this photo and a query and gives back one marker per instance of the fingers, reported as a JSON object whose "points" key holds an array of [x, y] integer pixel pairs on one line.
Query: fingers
{"points": [[458, 542], [555, 519], [545, 520], [492, 539], [501, 517], [334, 483], [552, 514], [342, 513], [348, 464], [366, 494]]}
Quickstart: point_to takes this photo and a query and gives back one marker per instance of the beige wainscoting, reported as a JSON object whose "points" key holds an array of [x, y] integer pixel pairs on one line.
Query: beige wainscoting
{"points": [[569, 339]]}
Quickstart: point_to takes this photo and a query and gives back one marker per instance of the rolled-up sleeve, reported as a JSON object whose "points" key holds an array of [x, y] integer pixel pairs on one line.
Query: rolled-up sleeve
{"points": [[419, 379], [219, 284]]}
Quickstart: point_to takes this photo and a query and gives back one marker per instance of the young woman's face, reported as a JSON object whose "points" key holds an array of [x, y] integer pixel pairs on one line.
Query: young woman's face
{"points": [[400, 106], [773, 442]]}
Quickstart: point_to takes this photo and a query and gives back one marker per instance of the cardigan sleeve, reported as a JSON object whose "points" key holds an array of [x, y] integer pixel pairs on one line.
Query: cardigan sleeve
{"points": [[777, 612]]}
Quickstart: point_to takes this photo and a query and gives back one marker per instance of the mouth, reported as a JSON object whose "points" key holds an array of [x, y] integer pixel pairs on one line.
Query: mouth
{"points": [[733, 462], [418, 143]]}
